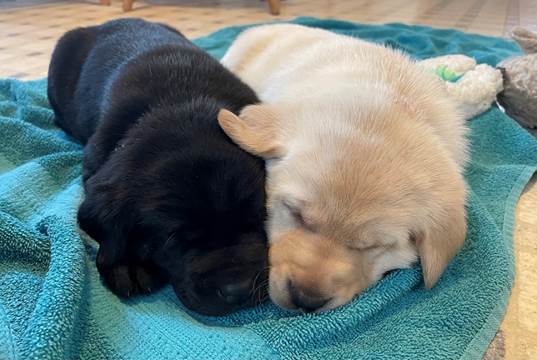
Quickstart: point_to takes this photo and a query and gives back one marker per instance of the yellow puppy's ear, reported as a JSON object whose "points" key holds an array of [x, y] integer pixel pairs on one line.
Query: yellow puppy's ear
{"points": [[439, 242], [256, 130]]}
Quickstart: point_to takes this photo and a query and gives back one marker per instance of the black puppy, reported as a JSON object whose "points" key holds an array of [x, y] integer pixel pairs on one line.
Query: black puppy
{"points": [[169, 197]]}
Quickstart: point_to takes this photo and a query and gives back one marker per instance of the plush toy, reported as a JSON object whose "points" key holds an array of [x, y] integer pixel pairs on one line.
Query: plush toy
{"points": [[473, 87], [519, 97]]}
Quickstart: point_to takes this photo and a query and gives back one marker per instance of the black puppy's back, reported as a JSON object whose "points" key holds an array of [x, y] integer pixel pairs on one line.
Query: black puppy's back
{"points": [[85, 62], [108, 76]]}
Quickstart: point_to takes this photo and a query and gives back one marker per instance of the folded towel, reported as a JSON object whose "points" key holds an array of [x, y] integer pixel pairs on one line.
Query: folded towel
{"points": [[54, 306]]}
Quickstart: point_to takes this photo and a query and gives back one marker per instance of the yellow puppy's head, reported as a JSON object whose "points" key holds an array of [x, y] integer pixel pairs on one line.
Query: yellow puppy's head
{"points": [[347, 202]]}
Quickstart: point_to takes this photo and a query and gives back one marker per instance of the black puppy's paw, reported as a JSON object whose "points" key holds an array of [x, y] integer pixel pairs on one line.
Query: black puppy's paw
{"points": [[127, 280]]}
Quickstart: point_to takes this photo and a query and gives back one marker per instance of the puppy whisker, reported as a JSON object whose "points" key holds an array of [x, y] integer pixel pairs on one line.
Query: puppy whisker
{"points": [[170, 237]]}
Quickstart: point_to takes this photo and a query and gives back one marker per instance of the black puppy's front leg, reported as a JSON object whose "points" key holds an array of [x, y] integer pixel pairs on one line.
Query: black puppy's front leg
{"points": [[124, 276], [118, 262]]}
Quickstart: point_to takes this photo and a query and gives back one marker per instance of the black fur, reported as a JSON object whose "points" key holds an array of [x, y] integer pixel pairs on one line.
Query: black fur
{"points": [[168, 196]]}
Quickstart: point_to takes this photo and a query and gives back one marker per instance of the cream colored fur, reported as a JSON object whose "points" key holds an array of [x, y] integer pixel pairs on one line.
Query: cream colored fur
{"points": [[365, 157]]}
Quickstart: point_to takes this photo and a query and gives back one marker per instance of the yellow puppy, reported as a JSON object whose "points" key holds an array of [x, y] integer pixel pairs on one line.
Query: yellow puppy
{"points": [[365, 159]]}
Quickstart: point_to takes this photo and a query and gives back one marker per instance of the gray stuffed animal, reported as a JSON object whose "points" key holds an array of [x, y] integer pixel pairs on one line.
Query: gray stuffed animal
{"points": [[519, 97]]}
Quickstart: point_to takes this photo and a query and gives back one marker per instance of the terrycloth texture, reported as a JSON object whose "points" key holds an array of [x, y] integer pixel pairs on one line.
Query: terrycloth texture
{"points": [[53, 305]]}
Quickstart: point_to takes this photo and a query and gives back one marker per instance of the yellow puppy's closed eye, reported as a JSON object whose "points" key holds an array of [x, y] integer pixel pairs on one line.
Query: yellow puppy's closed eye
{"points": [[361, 247], [296, 210]]}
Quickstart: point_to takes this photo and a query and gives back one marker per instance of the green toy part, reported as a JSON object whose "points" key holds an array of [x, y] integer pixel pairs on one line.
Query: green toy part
{"points": [[447, 74]]}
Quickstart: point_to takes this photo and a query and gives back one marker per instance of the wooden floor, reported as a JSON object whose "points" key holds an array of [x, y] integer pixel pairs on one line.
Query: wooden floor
{"points": [[29, 29]]}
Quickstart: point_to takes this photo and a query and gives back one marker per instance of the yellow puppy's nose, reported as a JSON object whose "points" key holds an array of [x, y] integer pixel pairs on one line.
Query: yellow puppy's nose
{"points": [[306, 300]]}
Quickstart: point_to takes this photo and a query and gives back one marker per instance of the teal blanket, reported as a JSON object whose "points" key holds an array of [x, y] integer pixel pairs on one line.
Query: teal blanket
{"points": [[53, 305]]}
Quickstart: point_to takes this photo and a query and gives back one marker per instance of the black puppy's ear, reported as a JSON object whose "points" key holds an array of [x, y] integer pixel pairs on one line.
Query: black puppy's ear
{"points": [[107, 216], [110, 223], [88, 220], [94, 217]]}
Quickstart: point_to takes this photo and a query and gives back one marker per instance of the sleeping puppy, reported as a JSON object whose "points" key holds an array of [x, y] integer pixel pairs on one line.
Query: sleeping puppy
{"points": [[168, 196], [366, 159]]}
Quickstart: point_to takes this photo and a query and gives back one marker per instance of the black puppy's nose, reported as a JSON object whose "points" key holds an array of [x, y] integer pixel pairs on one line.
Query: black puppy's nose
{"points": [[236, 292], [307, 302]]}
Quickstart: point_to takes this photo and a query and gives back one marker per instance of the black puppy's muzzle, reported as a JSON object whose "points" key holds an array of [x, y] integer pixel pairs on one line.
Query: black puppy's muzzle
{"points": [[237, 292], [224, 292]]}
